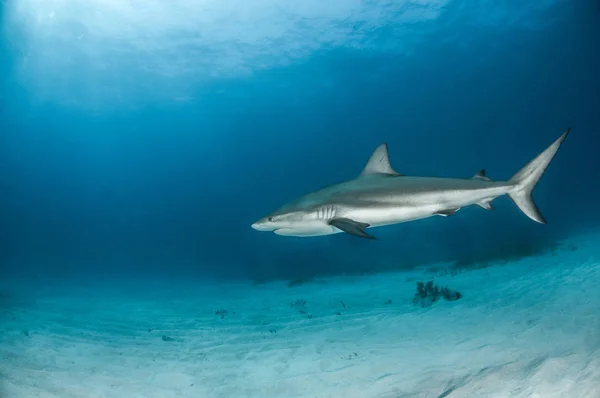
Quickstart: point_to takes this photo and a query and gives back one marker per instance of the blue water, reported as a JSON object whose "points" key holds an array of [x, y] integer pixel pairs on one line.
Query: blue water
{"points": [[141, 139]]}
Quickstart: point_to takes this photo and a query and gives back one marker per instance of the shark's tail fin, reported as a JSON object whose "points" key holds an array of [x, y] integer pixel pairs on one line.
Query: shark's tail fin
{"points": [[527, 178]]}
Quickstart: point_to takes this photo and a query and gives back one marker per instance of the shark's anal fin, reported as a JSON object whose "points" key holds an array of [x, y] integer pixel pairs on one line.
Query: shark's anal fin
{"points": [[486, 204], [446, 212], [481, 176], [352, 227]]}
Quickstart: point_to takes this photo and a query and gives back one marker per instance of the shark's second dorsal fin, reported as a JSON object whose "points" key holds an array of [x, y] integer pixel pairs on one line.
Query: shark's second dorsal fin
{"points": [[481, 176], [379, 163]]}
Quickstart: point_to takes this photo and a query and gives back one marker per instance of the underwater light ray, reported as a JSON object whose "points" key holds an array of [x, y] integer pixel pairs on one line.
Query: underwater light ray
{"points": [[65, 45]]}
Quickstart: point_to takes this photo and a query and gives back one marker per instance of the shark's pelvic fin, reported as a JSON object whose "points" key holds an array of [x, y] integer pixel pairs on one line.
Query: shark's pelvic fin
{"points": [[379, 163], [352, 227], [527, 178], [481, 176], [446, 212]]}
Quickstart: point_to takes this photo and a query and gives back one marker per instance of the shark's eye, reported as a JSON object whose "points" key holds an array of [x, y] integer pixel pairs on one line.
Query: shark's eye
{"points": [[270, 219]]}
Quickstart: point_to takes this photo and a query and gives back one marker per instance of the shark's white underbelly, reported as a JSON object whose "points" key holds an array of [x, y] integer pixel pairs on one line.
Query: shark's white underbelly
{"points": [[380, 216], [317, 228]]}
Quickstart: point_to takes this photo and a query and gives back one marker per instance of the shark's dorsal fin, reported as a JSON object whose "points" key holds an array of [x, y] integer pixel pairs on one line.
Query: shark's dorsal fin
{"points": [[481, 176], [379, 163]]}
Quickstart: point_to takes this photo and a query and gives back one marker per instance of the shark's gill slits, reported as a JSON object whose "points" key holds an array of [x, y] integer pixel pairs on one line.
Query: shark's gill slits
{"points": [[330, 212], [321, 213], [325, 213]]}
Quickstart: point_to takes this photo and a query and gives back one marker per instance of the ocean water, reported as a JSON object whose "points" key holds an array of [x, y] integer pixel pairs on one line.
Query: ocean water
{"points": [[141, 139]]}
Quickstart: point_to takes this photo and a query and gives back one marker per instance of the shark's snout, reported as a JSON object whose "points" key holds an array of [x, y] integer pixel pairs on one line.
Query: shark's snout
{"points": [[262, 225]]}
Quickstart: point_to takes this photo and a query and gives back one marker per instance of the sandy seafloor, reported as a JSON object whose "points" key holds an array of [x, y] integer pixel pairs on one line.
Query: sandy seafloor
{"points": [[529, 328]]}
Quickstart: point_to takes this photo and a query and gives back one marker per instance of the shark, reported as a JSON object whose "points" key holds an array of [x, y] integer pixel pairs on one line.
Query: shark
{"points": [[380, 196]]}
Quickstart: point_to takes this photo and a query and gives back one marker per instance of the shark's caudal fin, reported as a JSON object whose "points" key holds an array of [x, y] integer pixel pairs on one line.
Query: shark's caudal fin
{"points": [[527, 178]]}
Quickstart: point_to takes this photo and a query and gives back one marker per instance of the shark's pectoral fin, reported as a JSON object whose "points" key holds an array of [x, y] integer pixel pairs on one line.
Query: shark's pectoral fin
{"points": [[486, 204], [352, 227], [446, 212], [481, 176]]}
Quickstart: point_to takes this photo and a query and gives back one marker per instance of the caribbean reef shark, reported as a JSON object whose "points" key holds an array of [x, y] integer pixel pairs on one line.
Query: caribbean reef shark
{"points": [[380, 196]]}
